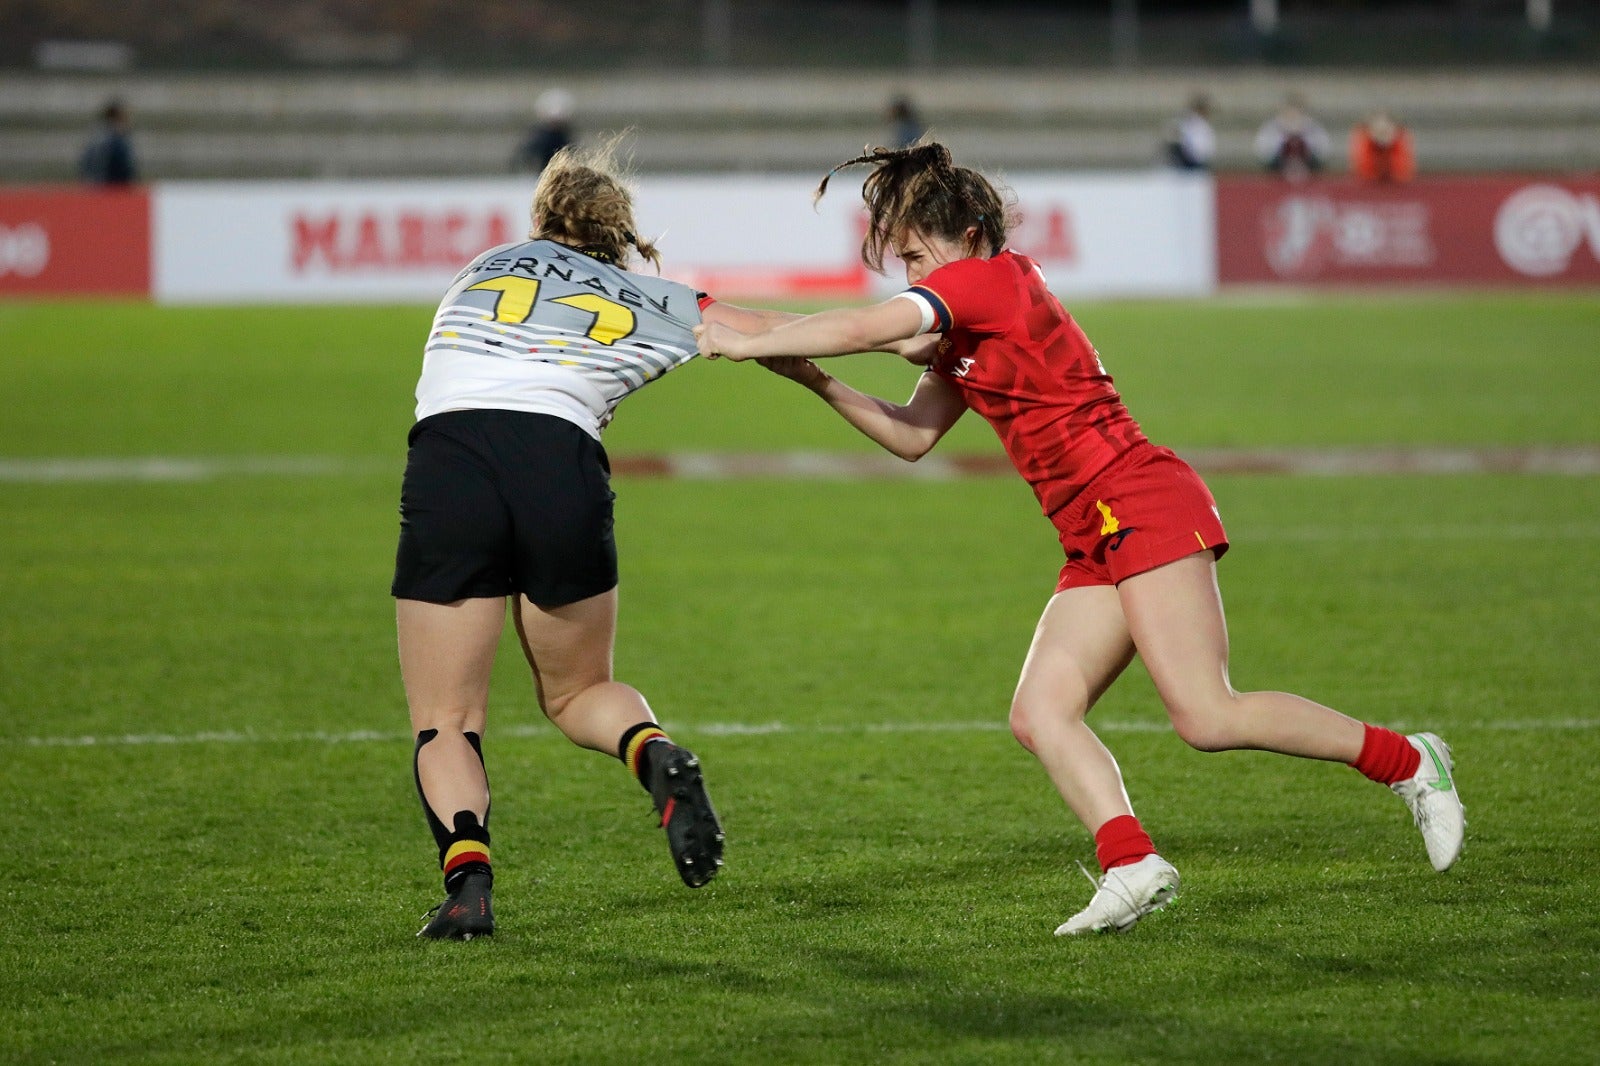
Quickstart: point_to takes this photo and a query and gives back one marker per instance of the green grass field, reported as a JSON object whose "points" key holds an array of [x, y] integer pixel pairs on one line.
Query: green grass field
{"points": [[215, 854]]}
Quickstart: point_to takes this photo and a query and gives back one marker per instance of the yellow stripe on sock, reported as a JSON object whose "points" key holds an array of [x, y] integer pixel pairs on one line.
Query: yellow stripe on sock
{"points": [[460, 847], [640, 739]]}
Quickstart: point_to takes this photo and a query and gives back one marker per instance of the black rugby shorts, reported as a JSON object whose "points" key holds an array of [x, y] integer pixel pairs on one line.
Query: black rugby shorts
{"points": [[500, 502]]}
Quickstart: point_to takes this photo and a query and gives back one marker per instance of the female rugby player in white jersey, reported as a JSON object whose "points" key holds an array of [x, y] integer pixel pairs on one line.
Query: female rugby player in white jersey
{"points": [[506, 498]]}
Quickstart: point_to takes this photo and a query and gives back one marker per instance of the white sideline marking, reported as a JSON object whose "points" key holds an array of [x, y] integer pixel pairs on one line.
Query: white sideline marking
{"points": [[710, 729], [1573, 460], [185, 468], [1380, 534]]}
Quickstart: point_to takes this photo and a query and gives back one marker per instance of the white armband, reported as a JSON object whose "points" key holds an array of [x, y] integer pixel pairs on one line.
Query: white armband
{"points": [[929, 318]]}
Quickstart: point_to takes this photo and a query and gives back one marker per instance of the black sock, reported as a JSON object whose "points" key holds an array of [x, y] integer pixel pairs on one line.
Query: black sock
{"points": [[467, 853], [634, 749]]}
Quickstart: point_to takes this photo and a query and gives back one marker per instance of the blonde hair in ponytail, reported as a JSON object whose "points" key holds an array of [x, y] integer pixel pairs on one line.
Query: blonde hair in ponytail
{"points": [[583, 201]]}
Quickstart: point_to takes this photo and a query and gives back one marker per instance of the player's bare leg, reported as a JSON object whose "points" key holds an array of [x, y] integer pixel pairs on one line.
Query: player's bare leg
{"points": [[1175, 615], [1080, 647], [569, 649], [446, 654]]}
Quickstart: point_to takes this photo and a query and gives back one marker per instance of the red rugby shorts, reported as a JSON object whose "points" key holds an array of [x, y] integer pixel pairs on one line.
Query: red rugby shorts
{"points": [[1147, 509]]}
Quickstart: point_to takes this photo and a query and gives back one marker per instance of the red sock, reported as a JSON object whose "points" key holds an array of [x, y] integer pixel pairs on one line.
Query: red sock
{"points": [[1386, 756], [1121, 841]]}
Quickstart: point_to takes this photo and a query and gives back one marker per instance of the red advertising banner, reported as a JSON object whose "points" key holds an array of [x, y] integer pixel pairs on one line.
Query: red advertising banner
{"points": [[1437, 231], [73, 241]]}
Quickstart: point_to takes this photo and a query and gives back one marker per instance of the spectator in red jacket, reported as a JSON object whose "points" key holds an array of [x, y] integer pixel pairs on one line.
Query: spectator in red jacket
{"points": [[1381, 150]]}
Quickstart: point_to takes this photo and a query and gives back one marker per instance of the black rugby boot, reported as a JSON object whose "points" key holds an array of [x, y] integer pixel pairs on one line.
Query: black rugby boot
{"points": [[468, 913], [693, 833]]}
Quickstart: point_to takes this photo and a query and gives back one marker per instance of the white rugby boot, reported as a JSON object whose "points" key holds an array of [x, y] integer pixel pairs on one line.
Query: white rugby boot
{"points": [[1123, 896], [1435, 804]]}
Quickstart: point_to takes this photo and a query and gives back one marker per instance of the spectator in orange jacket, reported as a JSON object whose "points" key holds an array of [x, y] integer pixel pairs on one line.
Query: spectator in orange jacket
{"points": [[1381, 150]]}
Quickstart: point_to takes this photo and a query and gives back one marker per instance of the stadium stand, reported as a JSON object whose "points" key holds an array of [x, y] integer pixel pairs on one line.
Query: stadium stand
{"points": [[369, 88], [370, 125]]}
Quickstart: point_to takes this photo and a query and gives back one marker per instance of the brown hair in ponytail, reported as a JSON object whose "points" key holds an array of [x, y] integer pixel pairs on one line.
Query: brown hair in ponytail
{"points": [[919, 188], [582, 200]]}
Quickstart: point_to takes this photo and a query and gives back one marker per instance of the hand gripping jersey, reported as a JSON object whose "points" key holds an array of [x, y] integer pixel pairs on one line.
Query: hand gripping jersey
{"points": [[544, 328], [1021, 362]]}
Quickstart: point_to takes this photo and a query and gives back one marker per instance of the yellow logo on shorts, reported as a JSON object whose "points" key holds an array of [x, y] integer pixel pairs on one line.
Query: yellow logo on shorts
{"points": [[1110, 525]]}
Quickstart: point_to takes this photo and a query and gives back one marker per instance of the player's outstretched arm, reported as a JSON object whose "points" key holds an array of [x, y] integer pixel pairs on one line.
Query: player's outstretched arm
{"points": [[844, 331], [745, 319], [909, 430], [761, 319]]}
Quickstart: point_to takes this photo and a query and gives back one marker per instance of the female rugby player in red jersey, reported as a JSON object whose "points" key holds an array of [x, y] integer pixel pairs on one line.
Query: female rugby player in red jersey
{"points": [[1140, 529]]}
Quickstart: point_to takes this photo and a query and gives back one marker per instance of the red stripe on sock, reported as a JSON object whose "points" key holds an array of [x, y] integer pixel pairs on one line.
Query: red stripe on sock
{"points": [[637, 744], [1386, 756], [466, 857], [1121, 841]]}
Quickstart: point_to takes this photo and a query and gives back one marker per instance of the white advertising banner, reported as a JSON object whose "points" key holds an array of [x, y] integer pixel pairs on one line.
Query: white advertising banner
{"points": [[737, 236], [1143, 234], [757, 236], [324, 242]]}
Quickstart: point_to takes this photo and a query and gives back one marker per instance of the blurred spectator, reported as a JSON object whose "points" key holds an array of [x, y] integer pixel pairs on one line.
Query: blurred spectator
{"points": [[551, 133], [108, 158], [1292, 144], [906, 126], [1381, 150], [1192, 143]]}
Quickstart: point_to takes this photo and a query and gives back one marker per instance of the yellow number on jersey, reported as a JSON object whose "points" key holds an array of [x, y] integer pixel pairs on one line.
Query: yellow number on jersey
{"points": [[515, 302], [612, 321]]}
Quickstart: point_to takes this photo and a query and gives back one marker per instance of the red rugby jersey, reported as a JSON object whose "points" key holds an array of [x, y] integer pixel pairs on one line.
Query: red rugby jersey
{"points": [[1021, 362]]}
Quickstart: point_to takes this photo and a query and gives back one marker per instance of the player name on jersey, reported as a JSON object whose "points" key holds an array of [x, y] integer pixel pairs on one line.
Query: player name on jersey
{"points": [[565, 267]]}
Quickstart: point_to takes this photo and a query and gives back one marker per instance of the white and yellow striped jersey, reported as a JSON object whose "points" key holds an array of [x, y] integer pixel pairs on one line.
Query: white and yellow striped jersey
{"points": [[541, 327]]}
